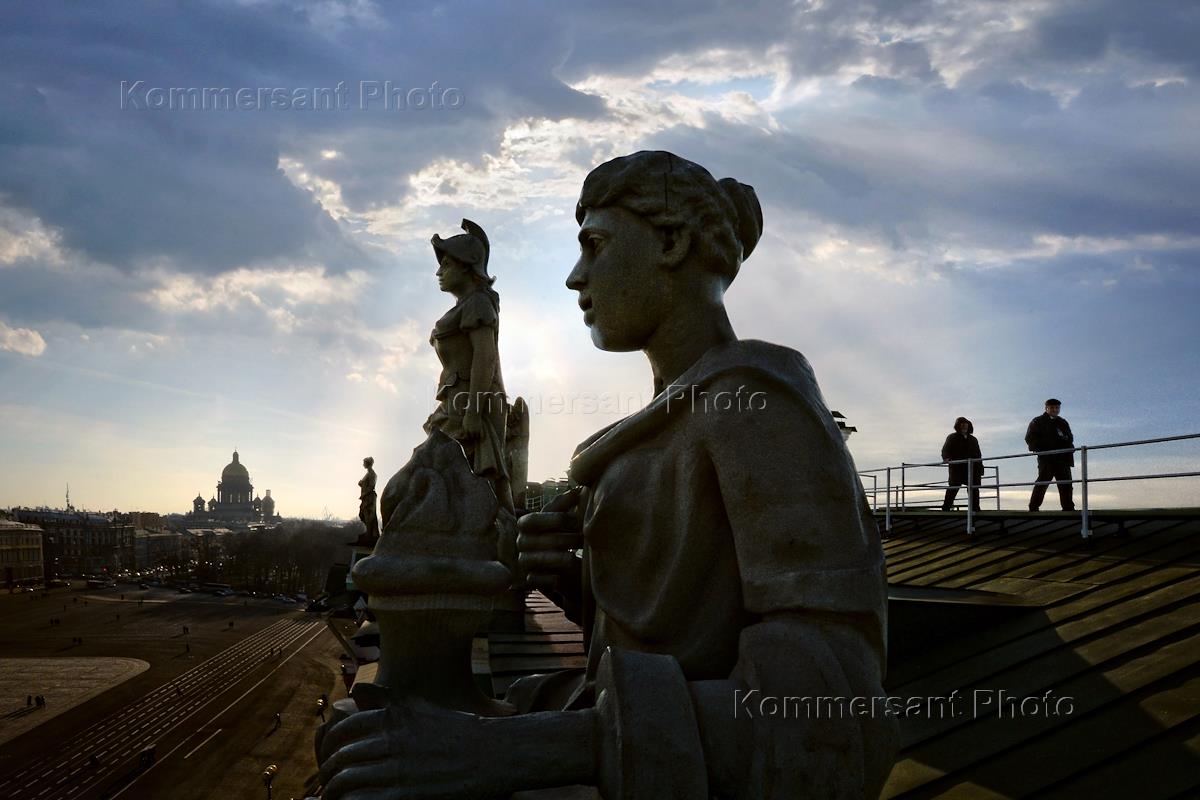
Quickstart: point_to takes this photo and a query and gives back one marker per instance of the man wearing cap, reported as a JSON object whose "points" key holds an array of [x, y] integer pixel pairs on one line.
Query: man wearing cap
{"points": [[1051, 432]]}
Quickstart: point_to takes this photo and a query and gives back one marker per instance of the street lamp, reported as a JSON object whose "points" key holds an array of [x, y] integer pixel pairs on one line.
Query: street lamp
{"points": [[268, 776]]}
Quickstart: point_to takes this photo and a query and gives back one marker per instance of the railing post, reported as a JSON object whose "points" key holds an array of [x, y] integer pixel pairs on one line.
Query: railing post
{"points": [[970, 503], [874, 491], [903, 487], [887, 511], [1084, 527], [997, 487]]}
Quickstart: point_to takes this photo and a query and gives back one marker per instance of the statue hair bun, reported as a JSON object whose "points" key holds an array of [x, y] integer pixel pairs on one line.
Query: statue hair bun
{"points": [[749, 221]]}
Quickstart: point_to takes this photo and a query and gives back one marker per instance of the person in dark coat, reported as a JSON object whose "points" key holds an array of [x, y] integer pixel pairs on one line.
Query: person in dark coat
{"points": [[962, 445], [1051, 432]]}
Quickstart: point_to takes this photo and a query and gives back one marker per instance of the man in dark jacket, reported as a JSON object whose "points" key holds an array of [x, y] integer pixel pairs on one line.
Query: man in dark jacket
{"points": [[1051, 432], [962, 445]]}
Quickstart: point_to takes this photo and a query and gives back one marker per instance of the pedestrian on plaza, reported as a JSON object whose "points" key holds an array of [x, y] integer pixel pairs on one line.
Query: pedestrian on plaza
{"points": [[1051, 432], [28, 699], [278, 720]]}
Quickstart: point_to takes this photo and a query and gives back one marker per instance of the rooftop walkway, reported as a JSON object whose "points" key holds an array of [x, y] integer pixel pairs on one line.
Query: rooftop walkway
{"points": [[1112, 622], [1023, 606]]}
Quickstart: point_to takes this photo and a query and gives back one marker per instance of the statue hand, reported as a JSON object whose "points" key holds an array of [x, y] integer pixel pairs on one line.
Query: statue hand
{"points": [[409, 751], [472, 425], [546, 545]]}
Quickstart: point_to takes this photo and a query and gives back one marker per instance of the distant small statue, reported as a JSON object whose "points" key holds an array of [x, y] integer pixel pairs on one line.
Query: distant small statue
{"points": [[366, 503], [473, 408], [516, 446]]}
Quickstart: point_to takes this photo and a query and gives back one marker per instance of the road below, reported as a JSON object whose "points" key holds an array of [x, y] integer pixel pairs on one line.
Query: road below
{"points": [[209, 726]]}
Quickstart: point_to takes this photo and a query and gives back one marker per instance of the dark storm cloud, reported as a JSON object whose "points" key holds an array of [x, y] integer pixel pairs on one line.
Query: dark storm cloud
{"points": [[201, 187], [38, 295], [1065, 136], [1160, 31], [993, 166]]}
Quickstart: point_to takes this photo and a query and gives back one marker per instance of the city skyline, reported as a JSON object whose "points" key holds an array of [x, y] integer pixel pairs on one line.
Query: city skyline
{"points": [[969, 207]]}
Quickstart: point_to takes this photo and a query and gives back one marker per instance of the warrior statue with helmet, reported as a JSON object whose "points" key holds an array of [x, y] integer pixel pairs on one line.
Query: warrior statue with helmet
{"points": [[472, 406]]}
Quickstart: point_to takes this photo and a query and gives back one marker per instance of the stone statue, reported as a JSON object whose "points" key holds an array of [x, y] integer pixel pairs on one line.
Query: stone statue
{"points": [[433, 576], [516, 447], [472, 406], [366, 503], [729, 558]]}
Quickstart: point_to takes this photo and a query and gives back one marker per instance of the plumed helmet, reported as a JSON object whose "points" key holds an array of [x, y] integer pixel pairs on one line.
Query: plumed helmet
{"points": [[471, 248]]}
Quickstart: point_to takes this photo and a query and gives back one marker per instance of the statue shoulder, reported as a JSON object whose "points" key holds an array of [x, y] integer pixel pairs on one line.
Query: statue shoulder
{"points": [[480, 309]]}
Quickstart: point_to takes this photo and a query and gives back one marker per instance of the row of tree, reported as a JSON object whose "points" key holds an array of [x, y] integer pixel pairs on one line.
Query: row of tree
{"points": [[294, 557]]}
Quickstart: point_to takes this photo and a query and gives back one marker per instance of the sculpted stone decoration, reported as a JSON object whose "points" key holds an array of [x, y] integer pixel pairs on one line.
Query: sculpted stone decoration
{"points": [[433, 576], [729, 559], [473, 408]]}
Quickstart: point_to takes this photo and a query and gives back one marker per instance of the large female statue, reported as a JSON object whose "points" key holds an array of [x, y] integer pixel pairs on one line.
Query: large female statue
{"points": [[731, 571], [472, 407]]}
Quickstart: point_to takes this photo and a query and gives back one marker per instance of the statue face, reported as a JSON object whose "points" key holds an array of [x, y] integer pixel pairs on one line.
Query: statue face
{"points": [[622, 287], [453, 275]]}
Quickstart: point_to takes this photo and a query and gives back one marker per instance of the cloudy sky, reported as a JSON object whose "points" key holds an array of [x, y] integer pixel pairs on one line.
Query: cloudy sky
{"points": [[969, 206]]}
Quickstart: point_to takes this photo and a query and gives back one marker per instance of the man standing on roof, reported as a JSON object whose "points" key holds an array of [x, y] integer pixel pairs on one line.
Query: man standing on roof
{"points": [[1051, 432], [959, 446]]}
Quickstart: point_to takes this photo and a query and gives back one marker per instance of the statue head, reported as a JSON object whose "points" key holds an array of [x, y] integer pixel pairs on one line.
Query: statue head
{"points": [[368, 462], [657, 233], [463, 260]]}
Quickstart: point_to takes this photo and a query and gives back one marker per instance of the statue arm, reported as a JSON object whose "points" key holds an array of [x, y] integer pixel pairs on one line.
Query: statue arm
{"points": [[812, 571], [484, 359]]}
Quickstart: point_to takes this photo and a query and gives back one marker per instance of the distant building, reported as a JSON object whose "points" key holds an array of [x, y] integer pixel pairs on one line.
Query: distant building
{"points": [[145, 521], [81, 542], [538, 495], [154, 544], [209, 544], [21, 562], [158, 548], [235, 502]]}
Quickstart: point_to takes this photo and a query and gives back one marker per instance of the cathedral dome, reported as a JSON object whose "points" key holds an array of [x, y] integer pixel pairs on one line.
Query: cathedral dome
{"points": [[235, 470]]}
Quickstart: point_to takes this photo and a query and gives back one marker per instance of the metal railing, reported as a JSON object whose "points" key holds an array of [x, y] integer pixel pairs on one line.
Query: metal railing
{"points": [[895, 492]]}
